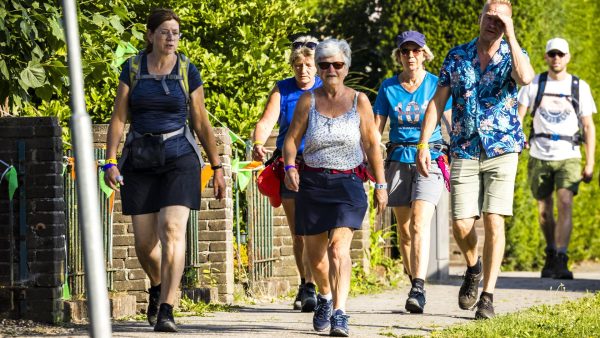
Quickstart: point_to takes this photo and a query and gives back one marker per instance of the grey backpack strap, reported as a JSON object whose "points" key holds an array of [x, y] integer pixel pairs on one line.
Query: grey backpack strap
{"points": [[190, 137]]}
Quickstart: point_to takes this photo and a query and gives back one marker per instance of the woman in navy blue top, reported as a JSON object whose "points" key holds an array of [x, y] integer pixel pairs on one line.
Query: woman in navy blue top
{"points": [[158, 195], [280, 109]]}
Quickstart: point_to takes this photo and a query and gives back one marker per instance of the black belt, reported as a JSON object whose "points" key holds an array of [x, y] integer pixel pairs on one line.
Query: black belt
{"points": [[575, 139]]}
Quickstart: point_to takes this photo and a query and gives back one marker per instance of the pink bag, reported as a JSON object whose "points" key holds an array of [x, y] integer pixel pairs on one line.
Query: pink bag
{"points": [[442, 162]]}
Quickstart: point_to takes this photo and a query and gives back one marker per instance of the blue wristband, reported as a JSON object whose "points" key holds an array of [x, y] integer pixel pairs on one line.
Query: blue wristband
{"points": [[289, 166], [107, 166]]}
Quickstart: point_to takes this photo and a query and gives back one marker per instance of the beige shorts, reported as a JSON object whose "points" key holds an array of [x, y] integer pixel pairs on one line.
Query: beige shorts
{"points": [[483, 185]]}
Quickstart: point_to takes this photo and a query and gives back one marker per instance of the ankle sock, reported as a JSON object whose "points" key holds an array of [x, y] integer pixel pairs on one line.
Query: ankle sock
{"points": [[310, 285], [418, 283], [561, 251], [336, 310], [489, 296], [302, 281], [475, 269], [328, 296]]}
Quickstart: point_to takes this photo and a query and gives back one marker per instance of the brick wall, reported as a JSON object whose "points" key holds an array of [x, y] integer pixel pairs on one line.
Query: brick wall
{"points": [[38, 234]]}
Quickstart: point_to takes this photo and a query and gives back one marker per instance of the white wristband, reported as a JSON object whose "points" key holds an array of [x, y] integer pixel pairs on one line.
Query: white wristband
{"points": [[380, 185]]}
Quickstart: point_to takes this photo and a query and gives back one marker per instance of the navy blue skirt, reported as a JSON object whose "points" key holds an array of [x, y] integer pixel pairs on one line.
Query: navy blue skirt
{"points": [[327, 201]]}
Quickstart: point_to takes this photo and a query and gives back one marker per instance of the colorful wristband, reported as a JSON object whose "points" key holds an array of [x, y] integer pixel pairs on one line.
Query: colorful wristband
{"points": [[380, 185], [289, 166], [422, 146], [217, 167], [110, 160], [107, 166], [257, 143]]}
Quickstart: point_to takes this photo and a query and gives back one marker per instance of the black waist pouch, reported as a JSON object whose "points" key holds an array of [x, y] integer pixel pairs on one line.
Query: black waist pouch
{"points": [[147, 152]]}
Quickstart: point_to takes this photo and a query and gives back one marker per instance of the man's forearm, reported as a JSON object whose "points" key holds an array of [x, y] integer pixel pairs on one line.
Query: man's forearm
{"points": [[523, 71]]}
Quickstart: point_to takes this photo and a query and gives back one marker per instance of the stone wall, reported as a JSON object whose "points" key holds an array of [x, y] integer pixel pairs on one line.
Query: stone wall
{"points": [[32, 251]]}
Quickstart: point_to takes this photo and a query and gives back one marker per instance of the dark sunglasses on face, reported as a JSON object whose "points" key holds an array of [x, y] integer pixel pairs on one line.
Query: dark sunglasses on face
{"points": [[406, 51], [326, 65], [554, 53], [309, 45]]}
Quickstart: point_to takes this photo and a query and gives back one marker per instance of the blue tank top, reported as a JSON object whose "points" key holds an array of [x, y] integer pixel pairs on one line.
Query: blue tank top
{"points": [[290, 93], [405, 112]]}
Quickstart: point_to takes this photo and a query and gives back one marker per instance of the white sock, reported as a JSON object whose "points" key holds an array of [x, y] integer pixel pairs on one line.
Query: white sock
{"points": [[343, 311], [328, 296]]}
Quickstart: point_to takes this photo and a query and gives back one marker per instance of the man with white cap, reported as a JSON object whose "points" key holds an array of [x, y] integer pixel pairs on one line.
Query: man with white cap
{"points": [[561, 106]]}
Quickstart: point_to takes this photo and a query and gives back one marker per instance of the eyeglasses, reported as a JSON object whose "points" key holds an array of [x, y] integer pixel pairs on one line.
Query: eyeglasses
{"points": [[406, 51], [308, 44], [554, 53], [165, 34], [326, 65]]}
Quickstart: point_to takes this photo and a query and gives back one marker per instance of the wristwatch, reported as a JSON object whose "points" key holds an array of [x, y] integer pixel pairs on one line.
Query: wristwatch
{"points": [[380, 185]]}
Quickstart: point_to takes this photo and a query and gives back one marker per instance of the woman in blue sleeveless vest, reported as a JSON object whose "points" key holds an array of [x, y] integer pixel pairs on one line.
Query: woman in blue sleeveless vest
{"points": [[160, 164], [280, 109], [404, 98]]}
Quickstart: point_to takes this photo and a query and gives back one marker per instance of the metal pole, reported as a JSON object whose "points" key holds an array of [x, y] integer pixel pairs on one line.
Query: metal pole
{"points": [[87, 190]]}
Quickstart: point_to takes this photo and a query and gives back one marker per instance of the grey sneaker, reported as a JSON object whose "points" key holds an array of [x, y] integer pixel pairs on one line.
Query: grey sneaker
{"points": [[339, 325], [467, 295], [485, 309], [416, 300], [561, 270], [153, 304], [322, 316], [309, 298]]}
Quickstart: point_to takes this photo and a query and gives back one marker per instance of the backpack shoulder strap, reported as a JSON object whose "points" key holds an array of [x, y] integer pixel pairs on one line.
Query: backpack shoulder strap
{"points": [[135, 70], [575, 93], [184, 65], [540, 92]]}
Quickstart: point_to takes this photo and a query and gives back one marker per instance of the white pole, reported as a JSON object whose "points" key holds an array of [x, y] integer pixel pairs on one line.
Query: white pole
{"points": [[87, 189]]}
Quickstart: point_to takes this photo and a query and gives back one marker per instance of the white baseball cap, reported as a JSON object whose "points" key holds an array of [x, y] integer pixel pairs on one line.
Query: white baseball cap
{"points": [[558, 44]]}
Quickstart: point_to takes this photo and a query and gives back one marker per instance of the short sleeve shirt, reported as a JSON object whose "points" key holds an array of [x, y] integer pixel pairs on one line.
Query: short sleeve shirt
{"points": [[484, 103], [406, 111], [152, 110]]}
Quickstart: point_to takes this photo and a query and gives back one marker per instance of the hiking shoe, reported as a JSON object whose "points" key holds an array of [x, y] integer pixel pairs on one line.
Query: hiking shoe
{"points": [[322, 316], [164, 320], [309, 298], [339, 324], [416, 300], [485, 309], [548, 269], [561, 271], [153, 299], [467, 295], [298, 300]]}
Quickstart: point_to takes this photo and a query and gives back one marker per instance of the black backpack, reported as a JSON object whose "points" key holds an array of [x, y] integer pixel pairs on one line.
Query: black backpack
{"points": [[573, 98]]}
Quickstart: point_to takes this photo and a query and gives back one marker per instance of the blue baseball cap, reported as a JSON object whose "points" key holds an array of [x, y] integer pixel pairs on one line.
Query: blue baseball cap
{"points": [[410, 36]]}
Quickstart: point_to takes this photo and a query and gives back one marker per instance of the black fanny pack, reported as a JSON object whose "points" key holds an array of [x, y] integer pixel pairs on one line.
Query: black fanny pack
{"points": [[147, 151]]}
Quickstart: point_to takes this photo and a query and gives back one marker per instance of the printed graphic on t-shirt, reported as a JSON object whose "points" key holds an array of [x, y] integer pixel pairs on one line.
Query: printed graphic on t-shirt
{"points": [[555, 109], [411, 114]]}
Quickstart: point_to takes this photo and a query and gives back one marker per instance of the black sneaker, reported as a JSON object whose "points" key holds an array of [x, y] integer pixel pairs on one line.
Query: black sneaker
{"points": [[416, 300], [548, 269], [467, 296], [485, 309], [339, 325], [165, 321], [309, 298], [322, 316], [298, 299], [561, 270], [153, 300]]}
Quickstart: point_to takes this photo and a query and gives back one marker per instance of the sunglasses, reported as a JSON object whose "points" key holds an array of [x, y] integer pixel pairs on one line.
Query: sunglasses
{"points": [[309, 45], [406, 51], [326, 65], [553, 53]]}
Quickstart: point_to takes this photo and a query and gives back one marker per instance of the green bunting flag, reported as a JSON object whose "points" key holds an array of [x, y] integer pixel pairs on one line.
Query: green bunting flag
{"points": [[123, 52], [13, 183], [235, 138], [105, 188]]}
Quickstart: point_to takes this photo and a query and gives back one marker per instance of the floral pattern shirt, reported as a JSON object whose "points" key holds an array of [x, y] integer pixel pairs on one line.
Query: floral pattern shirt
{"points": [[484, 104]]}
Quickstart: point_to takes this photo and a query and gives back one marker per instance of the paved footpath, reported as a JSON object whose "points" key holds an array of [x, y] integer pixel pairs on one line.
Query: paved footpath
{"points": [[378, 315]]}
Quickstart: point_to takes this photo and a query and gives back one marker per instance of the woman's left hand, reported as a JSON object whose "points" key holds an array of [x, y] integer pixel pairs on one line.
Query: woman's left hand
{"points": [[292, 179], [380, 199], [219, 184]]}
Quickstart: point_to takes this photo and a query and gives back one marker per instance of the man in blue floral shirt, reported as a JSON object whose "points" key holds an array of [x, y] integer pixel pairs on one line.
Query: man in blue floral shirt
{"points": [[482, 77]]}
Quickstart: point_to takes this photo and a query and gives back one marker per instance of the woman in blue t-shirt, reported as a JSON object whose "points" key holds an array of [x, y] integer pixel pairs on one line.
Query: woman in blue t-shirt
{"points": [[403, 99], [159, 170], [280, 109]]}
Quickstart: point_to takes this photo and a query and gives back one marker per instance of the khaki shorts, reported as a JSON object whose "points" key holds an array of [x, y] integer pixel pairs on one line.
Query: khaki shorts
{"points": [[483, 185], [547, 176], [406, 185]]}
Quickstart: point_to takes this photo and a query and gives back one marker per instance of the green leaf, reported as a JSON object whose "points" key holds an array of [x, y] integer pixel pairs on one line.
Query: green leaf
{"points": [[137, 34], [4, 70], [116, 23], [56, 29], [99, 20], [34, 75]]}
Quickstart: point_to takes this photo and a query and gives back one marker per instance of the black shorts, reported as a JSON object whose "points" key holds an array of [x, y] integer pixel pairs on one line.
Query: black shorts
{"points": [[175, 183]]}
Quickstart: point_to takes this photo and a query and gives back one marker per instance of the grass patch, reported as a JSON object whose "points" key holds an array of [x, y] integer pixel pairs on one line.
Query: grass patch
{"points": [[578, 318], [188, 307]]}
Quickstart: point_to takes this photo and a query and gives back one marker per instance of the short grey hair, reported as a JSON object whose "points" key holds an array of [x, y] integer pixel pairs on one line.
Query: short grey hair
{"points": [[302, 51], [333, 47]]}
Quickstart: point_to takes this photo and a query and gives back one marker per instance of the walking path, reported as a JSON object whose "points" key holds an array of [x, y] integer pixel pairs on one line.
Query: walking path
{"points": [[378, 315]]}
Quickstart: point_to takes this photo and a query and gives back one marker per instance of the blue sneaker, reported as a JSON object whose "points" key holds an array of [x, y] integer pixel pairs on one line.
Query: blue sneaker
{"points": [[323, 310], [339, 324]]}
